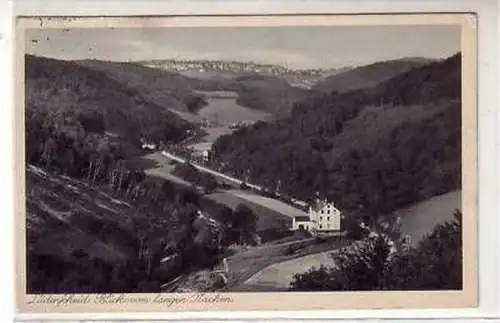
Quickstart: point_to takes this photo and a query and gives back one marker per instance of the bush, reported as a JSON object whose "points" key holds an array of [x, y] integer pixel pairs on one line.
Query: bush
{"points": [[372, 264]]}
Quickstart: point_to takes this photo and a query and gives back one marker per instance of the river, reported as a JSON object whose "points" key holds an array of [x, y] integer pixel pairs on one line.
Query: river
{"points": [[223, 110]]}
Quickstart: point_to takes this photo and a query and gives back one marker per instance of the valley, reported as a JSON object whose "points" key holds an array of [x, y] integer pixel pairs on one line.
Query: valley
{"points": [[219, 114], [228, 159]]}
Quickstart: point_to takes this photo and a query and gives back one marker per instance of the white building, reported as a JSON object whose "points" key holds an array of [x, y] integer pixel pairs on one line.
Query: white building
{"points": [[323, 216], [207, 155], [301, 222], [202, 150]]}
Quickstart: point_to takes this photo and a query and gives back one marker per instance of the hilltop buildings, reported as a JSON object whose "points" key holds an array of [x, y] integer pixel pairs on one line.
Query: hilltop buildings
{"points": [[322, 217]]}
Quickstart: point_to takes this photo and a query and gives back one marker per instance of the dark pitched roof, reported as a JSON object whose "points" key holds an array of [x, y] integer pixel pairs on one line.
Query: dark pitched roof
{"points": [[318, 205], [302, 218]]}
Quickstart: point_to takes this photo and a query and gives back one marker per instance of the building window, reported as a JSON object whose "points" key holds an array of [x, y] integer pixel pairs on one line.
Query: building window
{"points": [[321, 218], [328, 211], [322, 211], [328, 218], [321, 226]]}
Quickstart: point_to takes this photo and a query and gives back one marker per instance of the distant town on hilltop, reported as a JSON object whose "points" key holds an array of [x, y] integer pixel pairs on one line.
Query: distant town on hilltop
{"points": [[180, 65]]}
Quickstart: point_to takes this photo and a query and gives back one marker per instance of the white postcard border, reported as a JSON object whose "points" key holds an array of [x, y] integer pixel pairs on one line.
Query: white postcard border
{"points": [[487, 118]]}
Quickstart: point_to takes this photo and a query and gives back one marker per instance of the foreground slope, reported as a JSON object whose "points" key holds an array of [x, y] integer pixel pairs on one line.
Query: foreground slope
{"points": [[65, 215], [98, 238]]}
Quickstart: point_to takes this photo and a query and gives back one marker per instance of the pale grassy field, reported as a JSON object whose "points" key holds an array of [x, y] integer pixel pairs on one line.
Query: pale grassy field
{"points": [[273, 204], [268, 216], [231, 197], [163, 169]]}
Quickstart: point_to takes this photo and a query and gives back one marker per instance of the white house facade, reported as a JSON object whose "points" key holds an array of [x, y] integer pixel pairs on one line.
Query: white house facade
{"points": [[207, 155], [323, 216]]}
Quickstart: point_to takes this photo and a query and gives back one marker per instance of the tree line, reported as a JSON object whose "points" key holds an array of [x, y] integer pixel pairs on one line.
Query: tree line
{"points": [[100, 104], [379, 264], [165, 223], [416, 160], [190, 174], [85, 126]]}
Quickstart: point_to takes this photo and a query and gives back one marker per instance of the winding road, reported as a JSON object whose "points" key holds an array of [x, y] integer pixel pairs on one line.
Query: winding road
{"points": [[275, 205]]}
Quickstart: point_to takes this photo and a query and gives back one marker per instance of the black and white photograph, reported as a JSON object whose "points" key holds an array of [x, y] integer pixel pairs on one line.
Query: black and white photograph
{"points": [[243, 159]]}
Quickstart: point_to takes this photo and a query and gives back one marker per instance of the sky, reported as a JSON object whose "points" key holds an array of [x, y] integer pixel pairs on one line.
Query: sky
{"points": [[295, 47]]}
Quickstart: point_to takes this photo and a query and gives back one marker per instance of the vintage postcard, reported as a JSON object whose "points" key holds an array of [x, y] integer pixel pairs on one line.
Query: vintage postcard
{"points": [[246, 163]]}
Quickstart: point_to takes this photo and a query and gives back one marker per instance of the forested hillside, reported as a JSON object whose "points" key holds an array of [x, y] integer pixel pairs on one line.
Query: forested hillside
{"points": [[177, 92], [167, 89], [367, 76], [270, 94], [66, 93], [371, 150], [110, 236], [95, 222]]}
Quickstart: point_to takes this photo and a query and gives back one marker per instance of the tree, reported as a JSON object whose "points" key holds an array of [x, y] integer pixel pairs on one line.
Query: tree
{"points": [[395, 164], [209, 183], [225, 216], [357, 267], [194, 103], [436, 263], [375, 263], [245, 223], [168, 190]]}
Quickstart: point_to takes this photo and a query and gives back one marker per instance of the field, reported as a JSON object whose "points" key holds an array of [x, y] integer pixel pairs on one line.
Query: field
{"points": [[268, 217], [276, 205], [160, 167], [164, 171]]}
